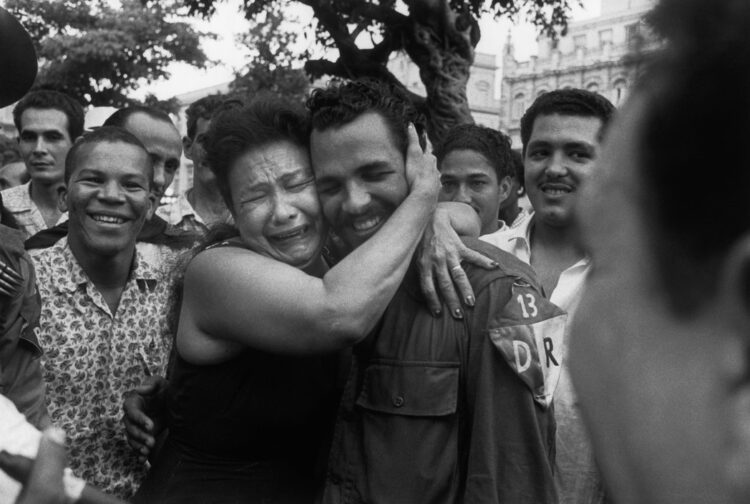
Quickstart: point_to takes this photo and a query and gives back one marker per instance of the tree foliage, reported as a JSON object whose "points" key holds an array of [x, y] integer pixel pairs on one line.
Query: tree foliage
{"points": [[101, 50], [270, 69], [438, 35]]}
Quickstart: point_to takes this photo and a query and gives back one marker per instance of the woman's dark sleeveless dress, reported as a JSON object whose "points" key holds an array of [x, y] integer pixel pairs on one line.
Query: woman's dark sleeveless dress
{"points": [[250, 430]]}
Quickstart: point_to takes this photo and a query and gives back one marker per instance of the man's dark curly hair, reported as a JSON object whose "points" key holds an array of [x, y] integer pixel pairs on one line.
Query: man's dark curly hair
{"points": [[697, 118], [342, 102], [235, 131], [48, 99], [205, 108], [490, 143], [569, 102]]}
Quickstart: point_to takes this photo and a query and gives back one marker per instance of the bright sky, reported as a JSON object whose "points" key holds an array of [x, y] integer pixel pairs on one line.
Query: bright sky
{"points": [[227, 23]]}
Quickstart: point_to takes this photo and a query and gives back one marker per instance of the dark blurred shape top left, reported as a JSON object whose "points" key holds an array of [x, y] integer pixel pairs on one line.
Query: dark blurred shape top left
{"points": [[18, 64]]}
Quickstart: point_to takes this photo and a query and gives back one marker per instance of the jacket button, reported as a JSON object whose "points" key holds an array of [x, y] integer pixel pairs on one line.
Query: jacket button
{"points": [[398, 401]]}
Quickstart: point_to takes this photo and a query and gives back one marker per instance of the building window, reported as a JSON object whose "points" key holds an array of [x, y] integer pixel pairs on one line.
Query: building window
{"points": [[632, 34], [519, 106], [541, 92], [593, 87], [619, 91], [579, 42], [605, 38]]}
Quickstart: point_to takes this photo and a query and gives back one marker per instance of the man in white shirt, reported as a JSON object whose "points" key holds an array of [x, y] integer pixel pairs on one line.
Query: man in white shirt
{"points": [[561, 134]]}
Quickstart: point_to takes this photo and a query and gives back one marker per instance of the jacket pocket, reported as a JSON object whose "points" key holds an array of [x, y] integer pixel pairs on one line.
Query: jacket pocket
{"points": [[410, 389], [409, 431]]}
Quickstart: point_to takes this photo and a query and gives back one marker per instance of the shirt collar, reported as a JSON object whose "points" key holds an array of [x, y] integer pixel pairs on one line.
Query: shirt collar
{"points": [[18, 198], [144, 272], [520, 234]]}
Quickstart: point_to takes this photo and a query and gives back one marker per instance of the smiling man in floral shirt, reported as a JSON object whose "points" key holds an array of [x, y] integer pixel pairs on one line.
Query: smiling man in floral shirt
{"points": [[103, 318]]}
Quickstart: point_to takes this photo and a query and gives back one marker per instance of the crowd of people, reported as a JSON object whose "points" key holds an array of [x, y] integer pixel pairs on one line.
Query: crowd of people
{"points": [[339, 312]]}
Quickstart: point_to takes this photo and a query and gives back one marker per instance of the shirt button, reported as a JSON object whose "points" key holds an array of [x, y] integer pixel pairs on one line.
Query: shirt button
{"points": [[398, 401], [334, 478]]}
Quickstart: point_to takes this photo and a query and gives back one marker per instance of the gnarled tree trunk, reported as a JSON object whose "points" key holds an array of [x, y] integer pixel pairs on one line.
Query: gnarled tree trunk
{"points": [[441, 43]]}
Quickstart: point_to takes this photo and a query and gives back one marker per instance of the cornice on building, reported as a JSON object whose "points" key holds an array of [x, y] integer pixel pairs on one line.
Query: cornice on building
{"points": [[599, 22]]}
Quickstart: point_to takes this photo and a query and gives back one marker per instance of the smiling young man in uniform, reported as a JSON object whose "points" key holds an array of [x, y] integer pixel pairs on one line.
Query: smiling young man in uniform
{"points": [[436, 409]]}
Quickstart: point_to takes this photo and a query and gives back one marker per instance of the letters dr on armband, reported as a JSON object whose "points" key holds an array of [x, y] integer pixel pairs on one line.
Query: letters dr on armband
{"points": [[534, 346]]}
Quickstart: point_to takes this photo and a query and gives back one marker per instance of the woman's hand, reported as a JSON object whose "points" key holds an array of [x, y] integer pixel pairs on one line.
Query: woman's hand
{"points": [[440, 255]]}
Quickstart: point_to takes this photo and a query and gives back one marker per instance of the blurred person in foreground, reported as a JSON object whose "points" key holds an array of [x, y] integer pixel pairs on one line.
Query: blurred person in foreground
{"points": [[660, 344], [20, 371]]}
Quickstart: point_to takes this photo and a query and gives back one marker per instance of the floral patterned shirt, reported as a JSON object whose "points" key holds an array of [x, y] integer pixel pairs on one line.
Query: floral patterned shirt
{"points": [[17, 200], [92, 357]]}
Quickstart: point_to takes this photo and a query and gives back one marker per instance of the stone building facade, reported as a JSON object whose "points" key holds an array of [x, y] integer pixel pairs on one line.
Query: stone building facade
{"points": [[593, 55], [480, 90]]}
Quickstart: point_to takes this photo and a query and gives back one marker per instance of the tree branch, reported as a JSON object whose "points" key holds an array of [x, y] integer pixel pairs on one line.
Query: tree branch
{"points": [[320, 67]]}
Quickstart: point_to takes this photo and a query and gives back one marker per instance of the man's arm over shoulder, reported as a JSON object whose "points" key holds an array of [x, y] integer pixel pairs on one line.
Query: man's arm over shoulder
{"points": [[512, 431]]}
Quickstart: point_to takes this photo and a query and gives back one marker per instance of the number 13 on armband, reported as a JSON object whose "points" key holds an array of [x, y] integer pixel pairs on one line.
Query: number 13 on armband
{"points": [[528, 305]]}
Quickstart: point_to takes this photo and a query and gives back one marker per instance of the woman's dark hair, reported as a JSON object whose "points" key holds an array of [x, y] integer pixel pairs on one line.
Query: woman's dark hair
{"points": [[236, 131]]}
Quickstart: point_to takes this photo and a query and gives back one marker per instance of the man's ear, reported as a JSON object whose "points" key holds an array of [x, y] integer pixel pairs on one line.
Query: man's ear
{"points": [[504, 187], [154, 204], [186, 143], [62, 198], [734, 299]]}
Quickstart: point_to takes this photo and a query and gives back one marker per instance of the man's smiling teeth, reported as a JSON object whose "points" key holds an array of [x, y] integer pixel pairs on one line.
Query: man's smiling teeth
{"points": [[108, 219], [365, 224], [556, 190]]}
